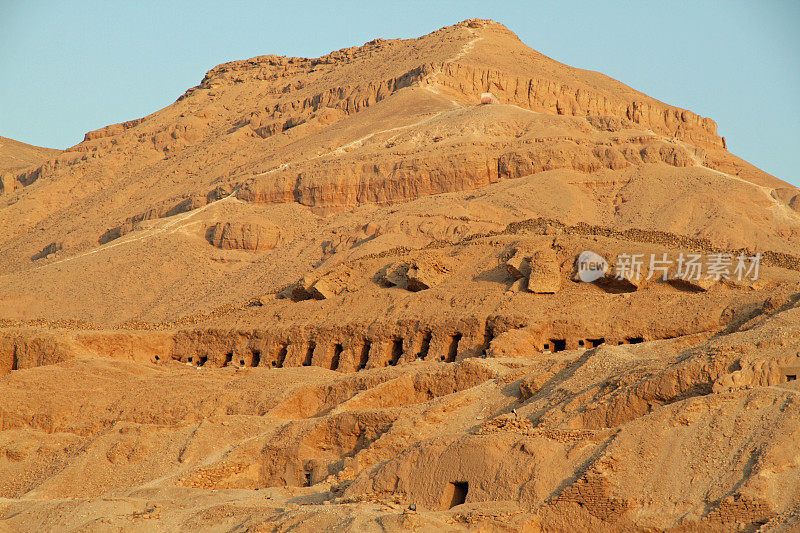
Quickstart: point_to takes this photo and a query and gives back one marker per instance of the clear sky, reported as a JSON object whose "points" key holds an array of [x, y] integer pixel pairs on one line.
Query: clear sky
{"points": [[70, 67]]}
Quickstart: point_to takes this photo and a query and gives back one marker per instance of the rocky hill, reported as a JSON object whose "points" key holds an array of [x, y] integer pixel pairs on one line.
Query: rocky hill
{"points": [[343, 292], [15, 156]]}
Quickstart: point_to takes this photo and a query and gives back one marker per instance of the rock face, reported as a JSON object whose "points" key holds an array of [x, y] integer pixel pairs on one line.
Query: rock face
{"points": [[347, 284], [545, 275], [519, 264], [247, 236], [418, 274], [319, 285], [788, 195], [535, 270], [396, 274], [48, 250], [408, 435], [426, 271], [8, 182]]}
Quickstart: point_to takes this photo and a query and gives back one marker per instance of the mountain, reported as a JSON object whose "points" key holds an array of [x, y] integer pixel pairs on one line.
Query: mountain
{"points": [[290, 139], [352, 283]]}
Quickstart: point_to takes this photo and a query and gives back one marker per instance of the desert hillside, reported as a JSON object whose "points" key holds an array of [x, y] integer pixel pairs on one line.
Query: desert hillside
{"points": [[15, 156], [345, 293]]}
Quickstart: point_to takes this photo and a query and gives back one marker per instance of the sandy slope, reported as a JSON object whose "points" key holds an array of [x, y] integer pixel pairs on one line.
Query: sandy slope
{"points": [[15, 155], [691, 432]]}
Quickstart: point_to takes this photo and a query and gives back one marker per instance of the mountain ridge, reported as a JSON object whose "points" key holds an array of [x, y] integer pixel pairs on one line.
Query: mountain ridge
{"points": [[350, 293]]}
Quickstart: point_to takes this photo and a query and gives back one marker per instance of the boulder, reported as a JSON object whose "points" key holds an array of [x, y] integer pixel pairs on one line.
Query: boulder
{"points": [[417, 274], [330, 284], [396, 274], [8, 182], [545, 272], [425, 272], [535, 266], [518, 265], [488, 98], [519, 285], [48, 250], [315, 286], [794, 203]]}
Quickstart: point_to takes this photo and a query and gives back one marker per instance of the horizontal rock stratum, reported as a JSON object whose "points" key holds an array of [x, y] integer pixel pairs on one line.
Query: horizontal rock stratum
{"points": [[342, 293]]}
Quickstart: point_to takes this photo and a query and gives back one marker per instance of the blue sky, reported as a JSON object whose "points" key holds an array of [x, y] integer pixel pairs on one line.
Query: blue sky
{"points": [[70, 67]]}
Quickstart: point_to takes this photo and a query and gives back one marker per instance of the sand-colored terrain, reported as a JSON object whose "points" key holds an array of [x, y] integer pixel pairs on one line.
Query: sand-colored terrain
{"points": [[342, 294], [16, 156]]}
